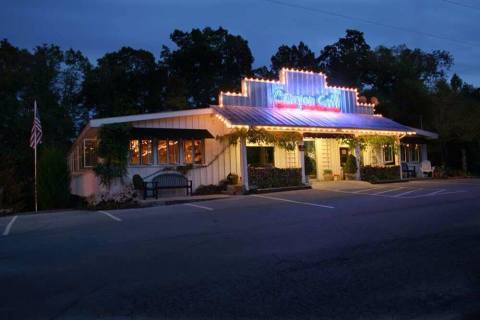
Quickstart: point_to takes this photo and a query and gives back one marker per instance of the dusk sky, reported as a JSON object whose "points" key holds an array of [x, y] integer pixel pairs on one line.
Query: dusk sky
{"points": [[98, 26]]}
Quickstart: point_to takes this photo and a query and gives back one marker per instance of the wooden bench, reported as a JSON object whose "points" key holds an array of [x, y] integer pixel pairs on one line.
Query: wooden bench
{"points": [[167, 181]]}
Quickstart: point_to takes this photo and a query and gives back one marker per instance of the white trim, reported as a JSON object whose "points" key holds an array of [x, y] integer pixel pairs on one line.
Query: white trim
{"points": [[95, 123]]}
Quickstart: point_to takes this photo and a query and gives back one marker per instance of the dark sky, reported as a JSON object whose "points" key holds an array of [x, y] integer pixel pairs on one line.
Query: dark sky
{"points": [[98, 26]]}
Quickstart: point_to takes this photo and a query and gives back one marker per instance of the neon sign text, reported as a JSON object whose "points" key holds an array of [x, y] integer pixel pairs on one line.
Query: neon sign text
{"points": [[326, 102]]}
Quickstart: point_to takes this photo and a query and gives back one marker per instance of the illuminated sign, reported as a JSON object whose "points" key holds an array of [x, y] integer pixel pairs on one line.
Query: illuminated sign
{"points": [[296, 89], [329, 101]]}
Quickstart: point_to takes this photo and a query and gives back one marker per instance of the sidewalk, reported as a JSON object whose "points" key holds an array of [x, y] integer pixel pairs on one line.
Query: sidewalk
{"points": [[149, 202]]}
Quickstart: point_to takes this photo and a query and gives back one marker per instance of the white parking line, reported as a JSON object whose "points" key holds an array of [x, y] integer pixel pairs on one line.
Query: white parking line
{"points": [[364, 190], [407, 192], [389, 190], [110, 215], [9, 226], [293, 201], [433, 193], [198, 206]]}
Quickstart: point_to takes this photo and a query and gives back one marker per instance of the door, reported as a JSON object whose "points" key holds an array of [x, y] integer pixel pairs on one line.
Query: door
{"points": [[310, 159], [344, 152]]}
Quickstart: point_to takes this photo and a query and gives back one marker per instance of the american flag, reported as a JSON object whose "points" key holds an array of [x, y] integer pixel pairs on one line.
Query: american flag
{"points": [[36, 136]]}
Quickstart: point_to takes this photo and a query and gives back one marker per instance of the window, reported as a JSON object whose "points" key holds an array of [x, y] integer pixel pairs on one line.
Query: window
{"points": [[388, 153], [410, 152], [260, 156], [188, 151], [162, 151], [344, 152], [134, 152], [172, 151], [197, 151], [147, 152], [167, 151], [89, 153]]}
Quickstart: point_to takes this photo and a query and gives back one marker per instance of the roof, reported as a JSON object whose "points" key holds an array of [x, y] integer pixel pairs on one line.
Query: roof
{"points": [[170, 133], [94, 123], [429, 135], [251, 116]]}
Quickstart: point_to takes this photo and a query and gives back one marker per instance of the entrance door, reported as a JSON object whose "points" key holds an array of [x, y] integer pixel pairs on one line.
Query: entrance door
{"points": [[310, 159], [344, 152]]}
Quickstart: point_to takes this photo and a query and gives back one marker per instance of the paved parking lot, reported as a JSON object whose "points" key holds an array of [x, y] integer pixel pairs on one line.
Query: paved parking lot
{"points": [[339, 251]]}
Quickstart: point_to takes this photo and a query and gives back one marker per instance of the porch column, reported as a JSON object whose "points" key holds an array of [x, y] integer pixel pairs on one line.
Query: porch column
{"points": [[243, 163], [301, 159], [357, 157], [398, 155], [424, 153]]}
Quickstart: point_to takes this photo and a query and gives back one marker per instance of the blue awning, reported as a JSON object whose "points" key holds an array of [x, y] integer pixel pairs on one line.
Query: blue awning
{"points": [[257, 116]]}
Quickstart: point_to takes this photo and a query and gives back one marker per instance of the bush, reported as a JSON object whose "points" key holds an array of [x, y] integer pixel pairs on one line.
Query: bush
{"points": [[327, 172], [232, 178], [350, 166], [208, 189], [369, 173], [137, 182], [53, 180], [274, 177]]}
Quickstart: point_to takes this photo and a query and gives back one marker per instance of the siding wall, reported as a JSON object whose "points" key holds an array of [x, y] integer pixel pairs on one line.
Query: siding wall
{"points": [[220, 159]]}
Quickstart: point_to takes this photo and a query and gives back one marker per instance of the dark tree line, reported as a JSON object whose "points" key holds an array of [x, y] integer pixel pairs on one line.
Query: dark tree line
{"points": [[411, 85]]}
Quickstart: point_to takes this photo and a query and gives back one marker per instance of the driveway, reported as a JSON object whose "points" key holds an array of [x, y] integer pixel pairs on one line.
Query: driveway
{"points": [[338, 251]]}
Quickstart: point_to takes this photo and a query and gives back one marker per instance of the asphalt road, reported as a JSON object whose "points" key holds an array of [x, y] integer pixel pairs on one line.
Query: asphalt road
{"points": [[343, 251]]}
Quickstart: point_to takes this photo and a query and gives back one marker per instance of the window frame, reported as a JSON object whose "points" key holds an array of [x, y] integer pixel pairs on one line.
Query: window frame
{"points": [[84, 153], [391, 154]]}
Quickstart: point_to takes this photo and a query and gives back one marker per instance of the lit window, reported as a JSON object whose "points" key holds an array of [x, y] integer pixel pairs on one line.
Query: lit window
{"points": [[89, 153], [134, 152], [147, 152], [197, 156], [388, 153], [188, 151], [162, 151], [172, 151]]}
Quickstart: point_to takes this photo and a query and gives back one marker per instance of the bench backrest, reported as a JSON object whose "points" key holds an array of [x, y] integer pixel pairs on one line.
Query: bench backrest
{"points": [[405, 166], [170, 180]]}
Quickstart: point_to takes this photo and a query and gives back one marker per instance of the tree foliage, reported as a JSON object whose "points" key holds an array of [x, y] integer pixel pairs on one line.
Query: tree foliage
{"points": [[113, 152], [53, 179]]}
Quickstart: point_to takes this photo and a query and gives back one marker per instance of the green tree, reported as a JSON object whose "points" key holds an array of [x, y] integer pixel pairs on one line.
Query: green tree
{"points": [[124, 82], [53, 179], [206, 62], [347, 62], [297, 57]]}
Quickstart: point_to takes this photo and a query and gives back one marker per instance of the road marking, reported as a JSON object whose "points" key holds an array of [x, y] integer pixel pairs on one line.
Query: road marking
{"points": [[407, 192], [110, 215], [293, 201], [364, 190], [451, 192], [389, 190], [433, 193], [9, 226], [198, 206]]}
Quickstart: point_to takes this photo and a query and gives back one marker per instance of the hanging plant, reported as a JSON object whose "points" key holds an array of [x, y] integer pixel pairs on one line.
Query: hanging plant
{"points": [[284, 140], [376, 141], [113, 152]]}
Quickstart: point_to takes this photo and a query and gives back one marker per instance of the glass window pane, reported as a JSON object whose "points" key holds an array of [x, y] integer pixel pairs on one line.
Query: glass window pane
{"points": [[172, 151], [90, 151], [187, 151], [134, 148], [197, 157], [147, 152], [388, 153], [162, 151]]}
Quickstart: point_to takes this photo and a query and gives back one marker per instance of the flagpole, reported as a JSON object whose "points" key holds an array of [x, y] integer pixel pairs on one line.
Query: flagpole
{"points": [[35, 152]]}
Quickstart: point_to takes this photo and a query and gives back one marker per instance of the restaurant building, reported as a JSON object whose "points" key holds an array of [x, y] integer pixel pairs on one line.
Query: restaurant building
{"points": [[299, 101]]}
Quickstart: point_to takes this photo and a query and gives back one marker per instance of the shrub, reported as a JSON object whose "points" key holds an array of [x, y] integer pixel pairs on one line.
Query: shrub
{"points": [[232, 178], [137, 182], [350, 166], [208, 189], [53, 180], [274, 177], [327, 172], [369, 173], [113, 151]]}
